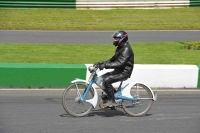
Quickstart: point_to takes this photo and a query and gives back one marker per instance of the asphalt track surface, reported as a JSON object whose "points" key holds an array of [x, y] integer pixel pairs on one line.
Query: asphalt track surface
{"points": [[94, 37], [41, 111]]}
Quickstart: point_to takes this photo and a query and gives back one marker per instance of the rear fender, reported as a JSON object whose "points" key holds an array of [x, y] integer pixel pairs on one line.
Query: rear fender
{"points": [[127, 88]]}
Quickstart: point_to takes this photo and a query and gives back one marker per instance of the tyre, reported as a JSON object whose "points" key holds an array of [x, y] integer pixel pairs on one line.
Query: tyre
{"points": [[144, 103], [71, 100]]}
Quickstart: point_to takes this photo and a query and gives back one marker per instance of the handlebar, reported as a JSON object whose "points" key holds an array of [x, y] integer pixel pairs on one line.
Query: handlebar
{"points": [[94, 68]]}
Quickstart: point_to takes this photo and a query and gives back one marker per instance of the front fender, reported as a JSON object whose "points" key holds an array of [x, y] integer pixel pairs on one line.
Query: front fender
{"points": [[79, 80], [92, 101]]}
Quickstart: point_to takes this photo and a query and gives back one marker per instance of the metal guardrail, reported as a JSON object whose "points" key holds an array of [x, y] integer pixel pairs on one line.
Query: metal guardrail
{"points": [[97, 4], [107, 4], [135, 4]]}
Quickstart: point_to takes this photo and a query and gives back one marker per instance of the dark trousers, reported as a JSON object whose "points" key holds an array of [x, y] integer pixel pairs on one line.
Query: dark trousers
{"points": [[110, 78]]}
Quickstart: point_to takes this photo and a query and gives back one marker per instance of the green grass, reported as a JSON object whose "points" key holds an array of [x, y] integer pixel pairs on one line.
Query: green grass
{"points": [[145, 53], [126, 19]]}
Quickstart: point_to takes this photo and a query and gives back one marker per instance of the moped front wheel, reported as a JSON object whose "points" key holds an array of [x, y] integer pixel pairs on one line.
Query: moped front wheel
{"points": [[143, 103], [72, 100]]}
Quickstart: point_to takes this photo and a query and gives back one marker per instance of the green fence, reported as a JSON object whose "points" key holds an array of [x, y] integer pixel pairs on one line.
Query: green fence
{"points": [[27, 75], [194, 3], [19, 75], [69, 4]]}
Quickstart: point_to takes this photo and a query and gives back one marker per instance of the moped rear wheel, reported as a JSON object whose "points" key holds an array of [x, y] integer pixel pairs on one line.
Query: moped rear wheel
{"points": [[144, 102], [71, 100]]}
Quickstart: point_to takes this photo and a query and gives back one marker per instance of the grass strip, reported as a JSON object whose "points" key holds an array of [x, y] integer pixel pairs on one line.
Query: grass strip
{"points": [[116, 19], [145, 53]]}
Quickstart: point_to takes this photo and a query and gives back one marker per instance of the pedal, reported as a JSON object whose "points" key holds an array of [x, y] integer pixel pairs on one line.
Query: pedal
{"points": [[102, 106]]}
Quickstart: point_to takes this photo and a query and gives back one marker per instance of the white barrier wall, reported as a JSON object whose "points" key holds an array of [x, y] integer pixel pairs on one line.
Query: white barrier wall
{"points": [[108, 4], [162, 76]]}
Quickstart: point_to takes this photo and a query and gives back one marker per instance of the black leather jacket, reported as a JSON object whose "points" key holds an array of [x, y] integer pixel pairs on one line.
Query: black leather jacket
{"points": [[122, 61]]}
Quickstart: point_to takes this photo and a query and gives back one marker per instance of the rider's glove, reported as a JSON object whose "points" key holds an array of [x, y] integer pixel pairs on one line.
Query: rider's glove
{"points": [[101, 66], [98, 63], [95, 64]]}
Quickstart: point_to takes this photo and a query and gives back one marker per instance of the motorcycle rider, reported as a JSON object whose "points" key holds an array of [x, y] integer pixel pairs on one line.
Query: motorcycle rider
{"points": [[122, 62]]}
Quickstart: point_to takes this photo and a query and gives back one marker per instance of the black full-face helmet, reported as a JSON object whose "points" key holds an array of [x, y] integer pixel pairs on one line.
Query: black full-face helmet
{"points": [[123, 37]]}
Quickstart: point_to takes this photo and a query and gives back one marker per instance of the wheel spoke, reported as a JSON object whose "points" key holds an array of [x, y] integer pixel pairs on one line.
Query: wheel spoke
{"points": [[71, 100], [144, 103]]}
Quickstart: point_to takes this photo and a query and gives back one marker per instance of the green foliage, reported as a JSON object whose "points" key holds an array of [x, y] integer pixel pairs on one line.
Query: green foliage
{"points": [[192, 45]]}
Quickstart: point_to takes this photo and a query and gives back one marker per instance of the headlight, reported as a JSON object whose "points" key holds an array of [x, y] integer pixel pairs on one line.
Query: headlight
{"points": [[91, 69]]}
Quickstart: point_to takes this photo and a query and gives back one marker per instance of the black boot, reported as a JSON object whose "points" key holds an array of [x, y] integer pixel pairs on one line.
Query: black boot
{"points": [[108, 95], [111, 99], [104, 98]]}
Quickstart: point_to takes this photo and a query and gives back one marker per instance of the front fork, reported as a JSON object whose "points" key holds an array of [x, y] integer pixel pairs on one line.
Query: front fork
{"points": [[86, 91], [82, 97]]}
